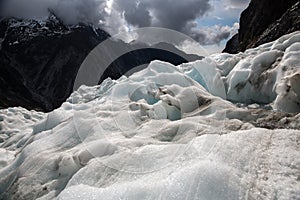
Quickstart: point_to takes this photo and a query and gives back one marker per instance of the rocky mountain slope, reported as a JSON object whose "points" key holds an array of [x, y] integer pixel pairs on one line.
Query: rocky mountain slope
{"points": [[39, 60], [265, 21]]}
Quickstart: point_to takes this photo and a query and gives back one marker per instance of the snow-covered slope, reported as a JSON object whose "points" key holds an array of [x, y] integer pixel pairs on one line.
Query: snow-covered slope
{"points": [[167, 132]]}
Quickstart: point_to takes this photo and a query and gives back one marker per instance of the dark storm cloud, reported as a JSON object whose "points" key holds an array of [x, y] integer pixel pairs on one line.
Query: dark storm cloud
{"points": [[135, 13], [70, 11], [74, 11], [173, 14]]}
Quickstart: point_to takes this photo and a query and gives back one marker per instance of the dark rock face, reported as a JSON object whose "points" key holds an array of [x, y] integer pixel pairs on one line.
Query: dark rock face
{"points": [[39, 60], [288, 23], [232, 46], [143, 56], [265, 21]]}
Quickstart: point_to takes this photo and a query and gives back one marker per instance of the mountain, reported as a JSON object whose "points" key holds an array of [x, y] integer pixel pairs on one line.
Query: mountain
{"points": [[39, 59], [224, 127], [265, 21], [141, 54]]}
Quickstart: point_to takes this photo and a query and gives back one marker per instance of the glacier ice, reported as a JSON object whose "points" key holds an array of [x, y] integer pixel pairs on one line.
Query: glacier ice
{"points": [[225, 127]]}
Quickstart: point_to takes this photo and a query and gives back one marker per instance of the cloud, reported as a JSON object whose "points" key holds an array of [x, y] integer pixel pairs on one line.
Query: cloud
{"points": [[122, 15], [172, 14], [70, 11], [135, 13], [214, 34], [192, 47], [237, 3], [177, 15], [74, 11]]}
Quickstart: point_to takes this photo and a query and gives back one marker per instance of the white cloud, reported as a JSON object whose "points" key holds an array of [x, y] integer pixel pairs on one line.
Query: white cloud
{"points": [[236, 4], [191, 47], [214, 34]]}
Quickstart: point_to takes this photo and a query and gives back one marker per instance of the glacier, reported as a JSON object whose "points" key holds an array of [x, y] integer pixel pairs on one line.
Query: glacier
{"points": [[224, 127]]}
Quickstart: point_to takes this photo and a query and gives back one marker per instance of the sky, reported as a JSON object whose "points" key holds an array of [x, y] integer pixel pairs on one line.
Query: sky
{"points": [[225, 13], [209, 22]]}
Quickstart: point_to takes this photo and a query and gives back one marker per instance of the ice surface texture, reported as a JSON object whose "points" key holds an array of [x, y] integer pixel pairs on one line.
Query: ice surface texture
{"points": [[166, 132]]}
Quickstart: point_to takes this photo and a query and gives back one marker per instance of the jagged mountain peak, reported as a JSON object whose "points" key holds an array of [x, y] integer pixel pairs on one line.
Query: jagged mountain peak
{"points": [[39, 60]]}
